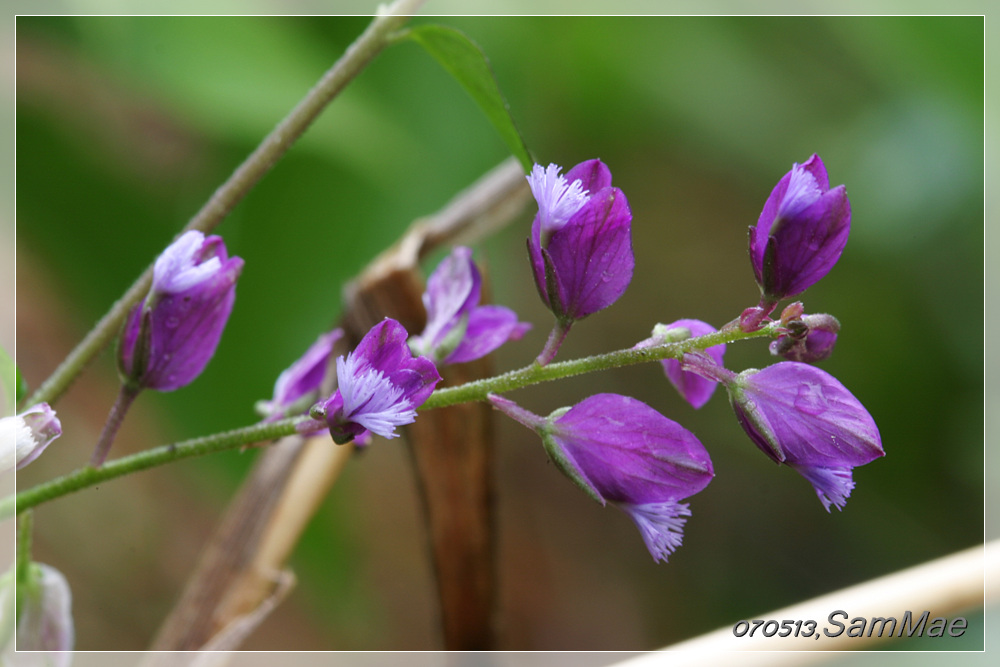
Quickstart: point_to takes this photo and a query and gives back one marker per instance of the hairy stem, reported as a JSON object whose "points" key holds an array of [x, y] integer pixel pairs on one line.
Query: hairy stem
{"points": [[477, 390], [556, 338], [114, 422], [533, 374], [89, 476], [376, 37]]}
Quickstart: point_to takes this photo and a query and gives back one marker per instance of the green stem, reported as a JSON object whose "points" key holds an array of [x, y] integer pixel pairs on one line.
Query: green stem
{"points": [[376, 37], [471, 391], [22, 564], [150, 458], [535, 373]]}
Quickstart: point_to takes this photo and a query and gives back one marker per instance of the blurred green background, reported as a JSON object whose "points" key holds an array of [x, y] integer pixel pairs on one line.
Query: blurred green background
{"points": [[126, 125]]}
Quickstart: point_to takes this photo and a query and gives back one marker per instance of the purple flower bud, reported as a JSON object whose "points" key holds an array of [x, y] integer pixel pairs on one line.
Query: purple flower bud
{"points": [[792, 311], [809, 339], [581, 243], [298, 385], [46, 621], [694, 388], [380, 385], [803, 417], [754, 318], [801, 232], [169, 338], [459, 329], [25, 436], [620, 450]]}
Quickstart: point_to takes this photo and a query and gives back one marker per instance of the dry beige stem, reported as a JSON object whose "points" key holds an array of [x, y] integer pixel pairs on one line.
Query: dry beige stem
{"points": [[946, 587]]}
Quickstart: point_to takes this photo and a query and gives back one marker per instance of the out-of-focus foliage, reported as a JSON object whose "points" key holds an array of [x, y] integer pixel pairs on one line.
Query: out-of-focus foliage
{"points": [[126, 125]]}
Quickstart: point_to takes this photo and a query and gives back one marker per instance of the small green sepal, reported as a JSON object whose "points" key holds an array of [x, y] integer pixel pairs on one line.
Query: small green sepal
{"points": [[558, 456]]}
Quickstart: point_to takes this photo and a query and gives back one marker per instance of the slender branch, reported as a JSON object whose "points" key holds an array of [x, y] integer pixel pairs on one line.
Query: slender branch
{"points": [[150, 458], [375, 38], [476, 390], [533, 374]]}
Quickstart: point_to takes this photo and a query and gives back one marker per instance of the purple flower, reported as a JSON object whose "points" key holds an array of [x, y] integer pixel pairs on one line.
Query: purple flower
{"points": [[581, 243], [168, 339], [620, 450], [299, 384], [803, 417], [801, 232], [25, 436], [694, 388], [458, 328], [380, 385]]}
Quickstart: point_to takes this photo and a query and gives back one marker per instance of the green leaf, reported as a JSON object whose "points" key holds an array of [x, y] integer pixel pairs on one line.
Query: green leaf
{"points": [[12, 385], [465, 61]]}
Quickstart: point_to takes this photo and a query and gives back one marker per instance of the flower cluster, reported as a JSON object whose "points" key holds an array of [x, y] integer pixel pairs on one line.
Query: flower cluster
{"points": [[622, 451], [382, 382], [615, 448], [799, 415]]}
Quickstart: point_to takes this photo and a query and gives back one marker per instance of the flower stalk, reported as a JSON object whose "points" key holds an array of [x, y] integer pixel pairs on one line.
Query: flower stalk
{"points": [[554, 342], [125, 398]]}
